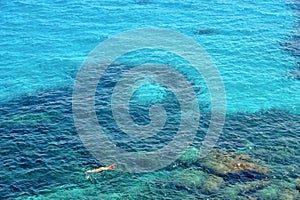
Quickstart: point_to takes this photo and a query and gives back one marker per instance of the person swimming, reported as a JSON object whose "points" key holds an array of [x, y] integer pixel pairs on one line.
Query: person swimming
{"points": [[100, 169]]}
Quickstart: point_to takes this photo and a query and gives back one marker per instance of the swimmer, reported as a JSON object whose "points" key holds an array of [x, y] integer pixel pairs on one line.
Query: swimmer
{"points": [[100, 169]]}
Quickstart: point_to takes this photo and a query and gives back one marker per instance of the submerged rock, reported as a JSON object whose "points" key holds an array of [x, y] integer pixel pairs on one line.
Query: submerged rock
{"points": [[212, 184], [270, 192], [195, 180], [243, 188], [224, 163], [205, 31], [289, 194], [191, 178], [190, 156]]}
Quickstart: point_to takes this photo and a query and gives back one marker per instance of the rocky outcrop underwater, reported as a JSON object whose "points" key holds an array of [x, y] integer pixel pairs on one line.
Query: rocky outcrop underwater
{"points": [[230, 175]]}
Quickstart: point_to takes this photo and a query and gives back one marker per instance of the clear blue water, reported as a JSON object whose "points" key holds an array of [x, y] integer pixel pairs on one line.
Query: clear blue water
{"points": [[42, 45]]}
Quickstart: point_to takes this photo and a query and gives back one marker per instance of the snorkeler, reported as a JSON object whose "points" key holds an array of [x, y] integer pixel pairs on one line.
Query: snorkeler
{"points": [[100, 169]]}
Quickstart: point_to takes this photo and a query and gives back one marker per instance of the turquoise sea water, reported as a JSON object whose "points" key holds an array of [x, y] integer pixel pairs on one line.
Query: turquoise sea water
{"points": [[42, 45]]}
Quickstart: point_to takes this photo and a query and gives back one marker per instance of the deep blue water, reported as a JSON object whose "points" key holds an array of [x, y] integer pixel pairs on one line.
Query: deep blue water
{"points": [[42, 45]]}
